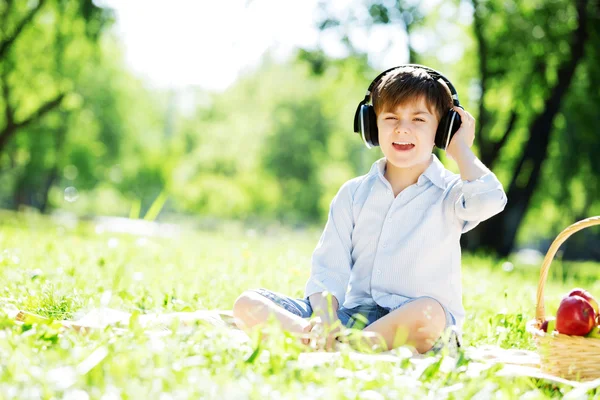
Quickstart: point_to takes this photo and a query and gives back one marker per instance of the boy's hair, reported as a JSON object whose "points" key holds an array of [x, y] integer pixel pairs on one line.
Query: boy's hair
{"points": [[405, 84]]}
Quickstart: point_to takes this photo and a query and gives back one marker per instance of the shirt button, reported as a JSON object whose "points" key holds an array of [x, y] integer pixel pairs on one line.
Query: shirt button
{"points": [[384, 245], [378, 271]]}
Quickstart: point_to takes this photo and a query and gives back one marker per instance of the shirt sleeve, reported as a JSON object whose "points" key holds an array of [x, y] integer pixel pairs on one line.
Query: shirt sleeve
{"points": [[331, 260], [478, 200]]}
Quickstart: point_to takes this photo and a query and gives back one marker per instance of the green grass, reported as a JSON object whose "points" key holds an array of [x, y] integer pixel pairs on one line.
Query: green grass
{"points": [[61, 270]]}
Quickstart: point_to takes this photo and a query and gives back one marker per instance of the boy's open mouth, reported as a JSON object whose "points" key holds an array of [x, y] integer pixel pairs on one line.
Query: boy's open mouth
{"points": [[403, 146]]}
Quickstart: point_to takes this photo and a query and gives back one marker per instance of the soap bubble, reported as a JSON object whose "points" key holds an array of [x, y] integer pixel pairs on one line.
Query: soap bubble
{"points": [[71, 194]]}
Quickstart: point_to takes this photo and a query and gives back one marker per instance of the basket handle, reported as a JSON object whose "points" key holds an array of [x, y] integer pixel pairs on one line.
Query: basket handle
{"points": [[564, 235]]}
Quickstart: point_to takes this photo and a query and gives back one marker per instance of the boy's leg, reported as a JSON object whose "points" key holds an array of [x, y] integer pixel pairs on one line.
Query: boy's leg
{"points": [[418, 323], [254, 307]]}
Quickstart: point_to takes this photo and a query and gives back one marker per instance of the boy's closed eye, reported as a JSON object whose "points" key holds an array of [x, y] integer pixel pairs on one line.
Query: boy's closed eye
{"points": [[417, 119]]}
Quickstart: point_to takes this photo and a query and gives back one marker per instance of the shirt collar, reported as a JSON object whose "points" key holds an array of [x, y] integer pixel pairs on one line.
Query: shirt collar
{"points": [[435, 172]]}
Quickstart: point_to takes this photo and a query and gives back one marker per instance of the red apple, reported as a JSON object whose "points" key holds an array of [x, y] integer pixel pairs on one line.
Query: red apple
{"points": [[575, 316], [549, 325], [586, 295]]}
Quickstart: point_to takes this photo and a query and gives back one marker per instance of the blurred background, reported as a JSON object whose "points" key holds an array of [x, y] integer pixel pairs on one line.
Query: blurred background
{"points": [[241, 110]]}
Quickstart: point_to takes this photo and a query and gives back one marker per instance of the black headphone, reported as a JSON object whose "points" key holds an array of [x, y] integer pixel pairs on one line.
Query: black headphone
{"points": [[365, 120]]}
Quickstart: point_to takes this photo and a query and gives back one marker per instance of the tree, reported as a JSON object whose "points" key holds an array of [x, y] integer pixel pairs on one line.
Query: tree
{"points": [[20, 30], [44, 46], [547, 60]]}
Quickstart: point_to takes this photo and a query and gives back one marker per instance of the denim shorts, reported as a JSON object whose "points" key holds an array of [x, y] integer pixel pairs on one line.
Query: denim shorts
{"points": [[362, 316]]}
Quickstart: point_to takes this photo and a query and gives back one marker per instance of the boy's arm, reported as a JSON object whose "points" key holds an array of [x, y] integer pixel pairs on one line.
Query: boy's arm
{"points": [[320, 305], [331, 260], [480, 194]]}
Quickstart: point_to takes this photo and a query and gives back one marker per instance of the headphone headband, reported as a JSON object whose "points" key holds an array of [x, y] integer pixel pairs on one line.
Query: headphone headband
{"points": [[436, 75]]}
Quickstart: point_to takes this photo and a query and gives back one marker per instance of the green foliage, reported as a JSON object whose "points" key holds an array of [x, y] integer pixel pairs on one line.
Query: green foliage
{"points": [[294, 154], [278, 143]]}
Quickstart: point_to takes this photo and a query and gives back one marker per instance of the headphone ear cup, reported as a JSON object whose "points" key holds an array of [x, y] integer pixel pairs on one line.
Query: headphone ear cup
{"points": [[368, 125], [373, 131], [449, 124], [441, 133]]}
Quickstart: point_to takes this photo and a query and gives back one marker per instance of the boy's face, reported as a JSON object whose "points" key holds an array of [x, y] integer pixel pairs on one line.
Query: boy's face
{"points": [[412, 122]]}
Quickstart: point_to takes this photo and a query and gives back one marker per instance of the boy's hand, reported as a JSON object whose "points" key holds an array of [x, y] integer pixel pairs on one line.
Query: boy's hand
{"points": [[324, 332], [463, 138]]}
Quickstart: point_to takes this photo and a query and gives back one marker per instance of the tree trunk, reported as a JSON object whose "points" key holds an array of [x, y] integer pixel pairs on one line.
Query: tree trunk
{"points": [[498, 234]]}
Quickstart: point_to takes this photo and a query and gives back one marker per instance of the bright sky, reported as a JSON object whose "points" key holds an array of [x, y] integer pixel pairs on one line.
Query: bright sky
{"points": [[177, 43]]}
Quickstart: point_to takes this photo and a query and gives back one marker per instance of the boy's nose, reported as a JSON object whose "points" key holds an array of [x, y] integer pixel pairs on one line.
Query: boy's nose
{"points": [[402, 127]]}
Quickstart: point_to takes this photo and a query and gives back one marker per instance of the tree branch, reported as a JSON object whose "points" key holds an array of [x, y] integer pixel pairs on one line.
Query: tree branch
{"points": [[12, 127], [5, 44], [44, 109]]}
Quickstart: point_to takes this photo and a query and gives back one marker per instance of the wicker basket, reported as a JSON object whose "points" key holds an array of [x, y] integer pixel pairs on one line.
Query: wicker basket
{"points": [[566, 356]]}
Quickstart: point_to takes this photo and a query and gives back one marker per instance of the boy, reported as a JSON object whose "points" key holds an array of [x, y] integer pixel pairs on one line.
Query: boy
{"points": [[390, 253]]}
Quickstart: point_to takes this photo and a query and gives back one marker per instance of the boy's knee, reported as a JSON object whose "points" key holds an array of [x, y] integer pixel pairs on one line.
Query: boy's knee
{"points": [[433, 319], [246, 302]]}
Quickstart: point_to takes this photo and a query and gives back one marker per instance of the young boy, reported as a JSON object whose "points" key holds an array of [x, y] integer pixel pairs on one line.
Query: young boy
{"points": [[390, 253]]}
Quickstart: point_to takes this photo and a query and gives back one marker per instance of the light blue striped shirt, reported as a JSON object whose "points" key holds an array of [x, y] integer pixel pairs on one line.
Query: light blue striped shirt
{"points": [[378, 249]]}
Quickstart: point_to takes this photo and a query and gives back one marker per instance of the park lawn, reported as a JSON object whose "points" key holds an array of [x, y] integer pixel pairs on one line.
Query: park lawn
{"points": [[62, 269]]}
